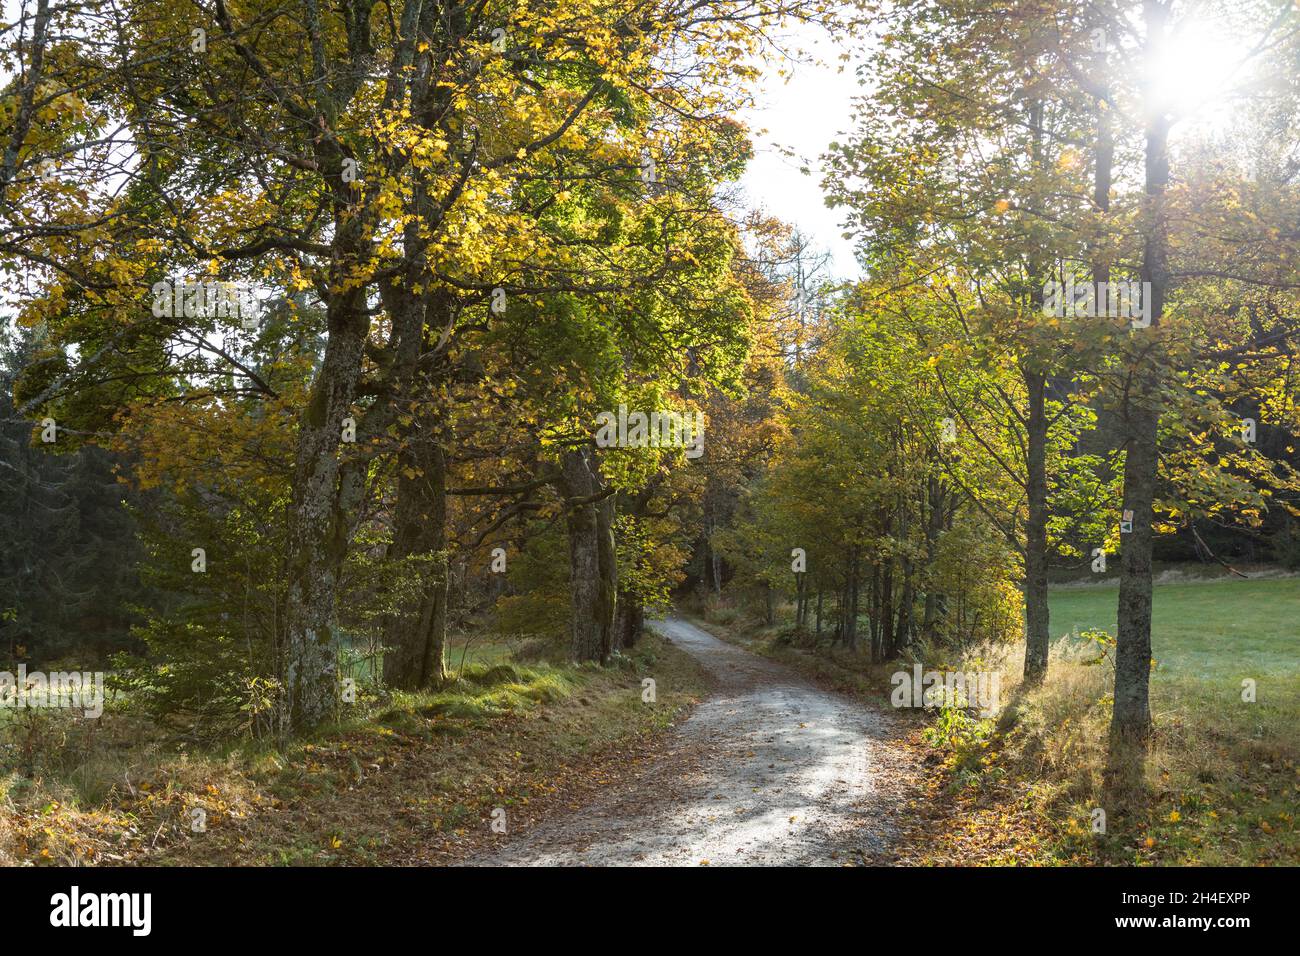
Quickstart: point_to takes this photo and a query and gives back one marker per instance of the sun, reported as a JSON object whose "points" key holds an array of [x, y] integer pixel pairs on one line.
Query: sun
{"points": [[1196, 73]]}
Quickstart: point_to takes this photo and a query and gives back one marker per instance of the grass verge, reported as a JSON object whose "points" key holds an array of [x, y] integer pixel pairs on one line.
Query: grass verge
{"points": [[410, 779]]}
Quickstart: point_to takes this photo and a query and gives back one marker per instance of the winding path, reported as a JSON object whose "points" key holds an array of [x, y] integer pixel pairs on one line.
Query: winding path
{"points": [[770, 770]]}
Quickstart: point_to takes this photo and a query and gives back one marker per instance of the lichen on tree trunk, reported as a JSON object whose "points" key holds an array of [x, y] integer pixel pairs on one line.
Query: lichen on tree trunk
{"points": [[318, 533]]}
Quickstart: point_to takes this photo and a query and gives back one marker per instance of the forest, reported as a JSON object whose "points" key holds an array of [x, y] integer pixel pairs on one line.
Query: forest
{"points": [[422, 442]]}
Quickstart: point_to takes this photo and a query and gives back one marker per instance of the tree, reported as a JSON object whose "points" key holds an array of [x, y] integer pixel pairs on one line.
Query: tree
{"points": [[395, 202]]}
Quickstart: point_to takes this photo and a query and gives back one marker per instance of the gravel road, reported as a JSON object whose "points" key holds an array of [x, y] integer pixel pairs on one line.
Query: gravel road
{"points": [[770, 770]]}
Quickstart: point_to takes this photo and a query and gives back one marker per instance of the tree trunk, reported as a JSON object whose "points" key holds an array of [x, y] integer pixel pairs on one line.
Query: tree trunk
{"points": [[593, 575], [1037, 620], [1131, 718], [1037, 613], [317, 533], [877, 648], [903, 633], [887, 610], [712, 560], [630, 618], [415, 637], [851, 620], [1130, 725], [798, 602], [933, 529]]}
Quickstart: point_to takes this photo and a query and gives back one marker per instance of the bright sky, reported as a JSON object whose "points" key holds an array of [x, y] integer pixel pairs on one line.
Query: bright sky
{"points": [[814, 108], [804, 115]]}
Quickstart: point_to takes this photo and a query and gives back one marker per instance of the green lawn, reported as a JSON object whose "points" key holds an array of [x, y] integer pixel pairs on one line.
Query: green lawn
{"points": [[1213, 630]]}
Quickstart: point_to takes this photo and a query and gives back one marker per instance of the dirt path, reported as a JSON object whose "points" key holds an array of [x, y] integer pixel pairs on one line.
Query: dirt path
{"points": [[769, 770]]}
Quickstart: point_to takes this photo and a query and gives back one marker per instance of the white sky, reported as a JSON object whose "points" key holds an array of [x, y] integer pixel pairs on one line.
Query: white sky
{"points": [[804, 115]]}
